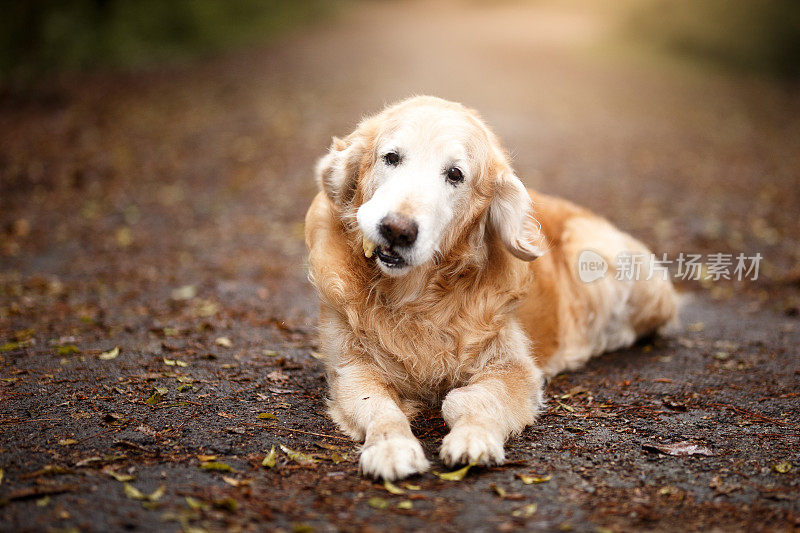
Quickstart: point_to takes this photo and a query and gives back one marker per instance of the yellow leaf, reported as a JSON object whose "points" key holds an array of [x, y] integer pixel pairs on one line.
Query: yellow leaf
{"points": [[455, 475], [783, 467], [529, 480], [109, 355], [298, 457], [525, 512], [405, 505], [67, 442], [269, 460], [377, 503], [392, 488], [215, 465]]}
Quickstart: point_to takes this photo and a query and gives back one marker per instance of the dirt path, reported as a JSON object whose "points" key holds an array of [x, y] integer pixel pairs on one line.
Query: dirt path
{"points": [[162, 214]]}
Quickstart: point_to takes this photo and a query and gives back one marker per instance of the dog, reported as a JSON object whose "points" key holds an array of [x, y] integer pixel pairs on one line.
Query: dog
{"points": [[443, 280]]}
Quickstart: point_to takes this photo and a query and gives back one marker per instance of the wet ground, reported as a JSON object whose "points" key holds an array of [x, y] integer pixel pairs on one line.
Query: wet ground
{"points": [[154, 312]]}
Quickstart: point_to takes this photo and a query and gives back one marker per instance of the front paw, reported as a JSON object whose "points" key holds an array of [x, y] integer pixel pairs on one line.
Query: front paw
{"points": [[393, 458], [472, 444]]}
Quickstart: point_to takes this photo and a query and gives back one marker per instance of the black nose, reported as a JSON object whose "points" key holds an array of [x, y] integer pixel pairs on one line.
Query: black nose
{"points": [[398, 230]]}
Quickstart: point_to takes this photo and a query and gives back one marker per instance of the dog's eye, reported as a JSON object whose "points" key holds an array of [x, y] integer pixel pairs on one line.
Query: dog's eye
{"points": [[454, 175], [392, 159]]}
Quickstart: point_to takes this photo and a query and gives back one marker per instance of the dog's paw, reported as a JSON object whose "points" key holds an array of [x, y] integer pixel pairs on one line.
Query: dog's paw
{"points": [[393, 458], [472, 444]]}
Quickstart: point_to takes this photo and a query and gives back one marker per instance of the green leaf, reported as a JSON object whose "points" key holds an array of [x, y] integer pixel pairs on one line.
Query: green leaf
{"points": [[229, 504], [111, 354], [782, 468], [455, 475], [157, 396], [298, 457], [267, 416], [269, 460], [378, 503], [216, 465], [67, 349], [196, 504]]}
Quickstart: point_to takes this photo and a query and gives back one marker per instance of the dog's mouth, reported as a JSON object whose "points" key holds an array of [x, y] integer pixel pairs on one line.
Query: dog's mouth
{"points": [[389, 257], [384, 254]]}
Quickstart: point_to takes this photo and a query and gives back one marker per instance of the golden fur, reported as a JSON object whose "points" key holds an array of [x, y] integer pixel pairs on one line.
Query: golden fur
{"points": [[477, 327]]}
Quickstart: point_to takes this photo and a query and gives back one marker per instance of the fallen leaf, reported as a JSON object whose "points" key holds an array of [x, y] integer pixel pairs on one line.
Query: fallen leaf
{"points": [[2, 474], [196, 504], [67, 442], [270, 353], [410, 486], [119, 477], [455, 475], [269, 460], [525, 512], [49, 470], [233, 482], [405, 505], [530, 480], [157, 396], [392, 488], [696, 326], [500, 491], [186, 292], [135, 494], [378, 503], [42, 502], [205, 458], [111, 354], [229, 504], [225, 342], [67, 349], [298, 457], [216, 465], [267, 416], [783, 467], [679, 448], [317, 355]]}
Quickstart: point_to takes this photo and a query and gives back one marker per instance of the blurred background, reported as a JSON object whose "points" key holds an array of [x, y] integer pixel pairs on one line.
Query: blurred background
{"points": [[151, 145]]}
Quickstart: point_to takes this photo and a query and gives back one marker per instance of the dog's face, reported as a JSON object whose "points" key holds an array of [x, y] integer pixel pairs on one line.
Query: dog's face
{"points": [[421, 174]]}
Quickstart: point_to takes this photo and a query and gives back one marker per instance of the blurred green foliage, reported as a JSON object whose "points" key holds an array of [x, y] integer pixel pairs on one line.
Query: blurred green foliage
{"points": [[38, 36], [760, 35]]}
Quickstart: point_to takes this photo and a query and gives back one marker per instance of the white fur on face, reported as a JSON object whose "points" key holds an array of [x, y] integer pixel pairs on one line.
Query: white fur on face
{"points": [[429, 142]]}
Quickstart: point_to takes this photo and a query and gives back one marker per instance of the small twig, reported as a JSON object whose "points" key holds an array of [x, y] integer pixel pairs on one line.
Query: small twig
{"points": [[9, 421], [98, 434], [753, 414], [291, 430]]}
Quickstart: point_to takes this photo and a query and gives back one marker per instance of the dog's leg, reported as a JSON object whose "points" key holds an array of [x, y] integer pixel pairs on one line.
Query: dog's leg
{"points": [[369, 410], [499, 401]]}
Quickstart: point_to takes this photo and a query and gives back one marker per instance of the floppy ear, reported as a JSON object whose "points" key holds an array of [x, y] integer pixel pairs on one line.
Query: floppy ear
{"points": [[511, 216], [337, 171]]}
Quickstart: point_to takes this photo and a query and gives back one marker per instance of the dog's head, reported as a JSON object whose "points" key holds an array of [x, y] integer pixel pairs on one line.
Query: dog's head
{"points": [[420, 177]]}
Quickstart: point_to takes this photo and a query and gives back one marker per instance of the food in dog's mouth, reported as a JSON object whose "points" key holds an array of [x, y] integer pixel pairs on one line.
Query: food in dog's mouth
{"points": [[369, 247]]}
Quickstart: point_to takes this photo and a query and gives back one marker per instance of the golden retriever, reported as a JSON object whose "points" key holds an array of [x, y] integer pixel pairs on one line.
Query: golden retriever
{"points": [[437, 284]]}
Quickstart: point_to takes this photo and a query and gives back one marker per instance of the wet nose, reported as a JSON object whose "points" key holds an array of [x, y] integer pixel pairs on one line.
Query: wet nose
{"points": [[398, 230]]}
